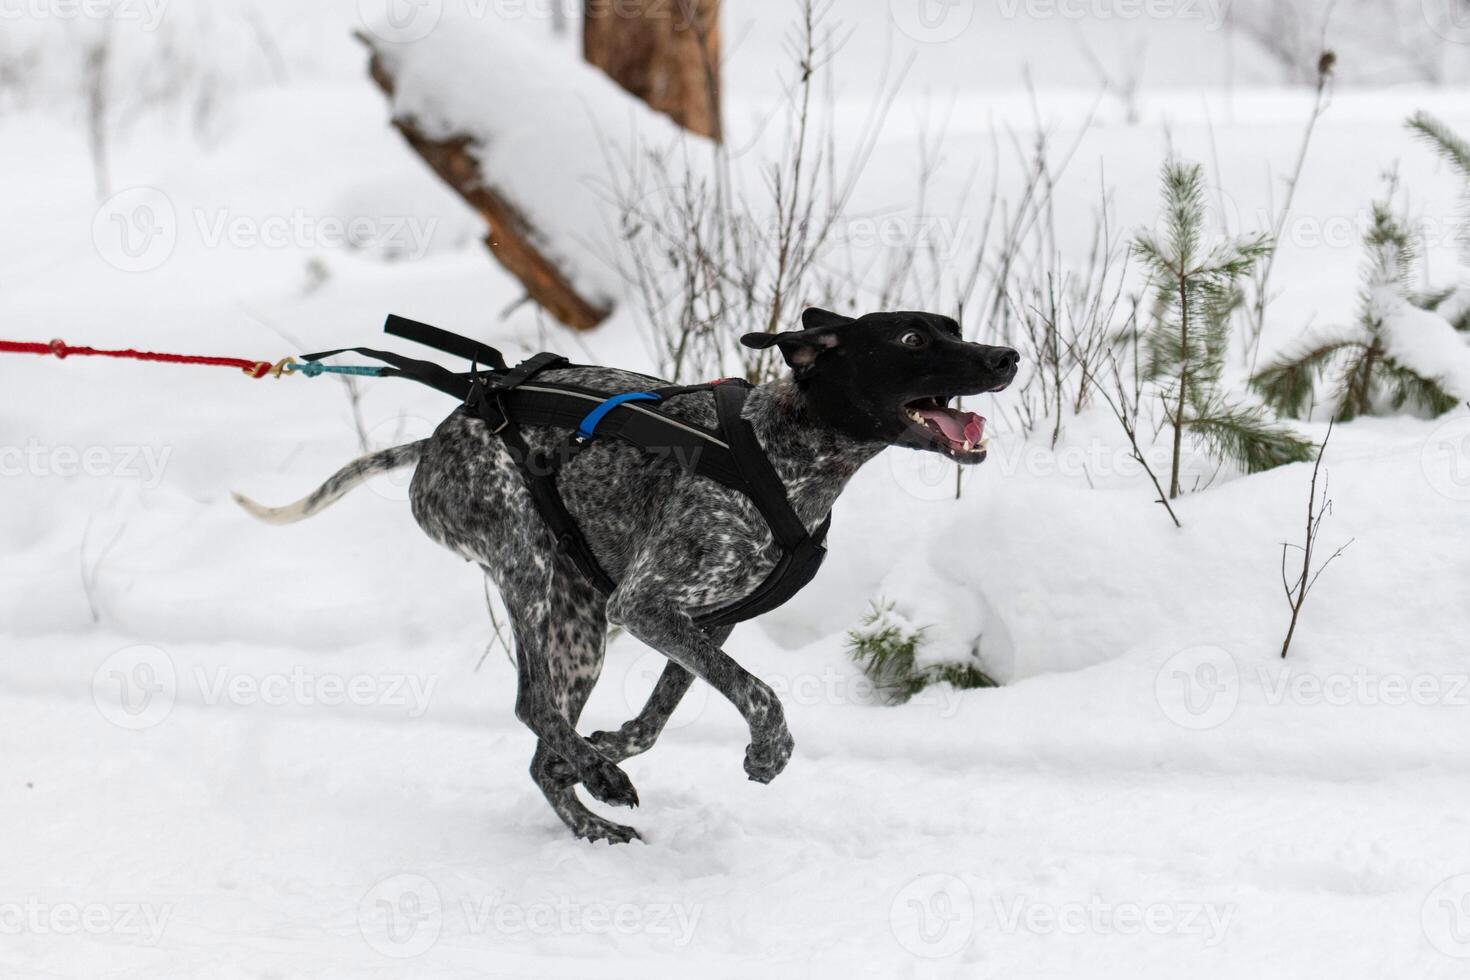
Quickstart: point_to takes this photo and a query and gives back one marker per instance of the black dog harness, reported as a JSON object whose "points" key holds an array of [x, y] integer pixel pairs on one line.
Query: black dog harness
{"points": [[508, 398]]}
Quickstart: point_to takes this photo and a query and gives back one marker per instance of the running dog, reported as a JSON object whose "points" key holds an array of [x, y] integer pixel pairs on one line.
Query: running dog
{"points": [[674, 542]]}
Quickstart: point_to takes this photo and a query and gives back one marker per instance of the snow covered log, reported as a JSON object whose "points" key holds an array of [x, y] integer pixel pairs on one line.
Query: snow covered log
{"points": [[534, 139], [512, 238], [666, 53]]}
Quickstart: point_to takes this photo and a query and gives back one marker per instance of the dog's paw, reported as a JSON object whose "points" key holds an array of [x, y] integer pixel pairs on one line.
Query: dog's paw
{"points": [[597, 829], [609, 784], [764, 760]]}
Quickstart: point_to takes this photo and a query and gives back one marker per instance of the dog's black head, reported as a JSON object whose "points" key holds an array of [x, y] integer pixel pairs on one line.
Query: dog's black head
{"points": [[889, 377]]}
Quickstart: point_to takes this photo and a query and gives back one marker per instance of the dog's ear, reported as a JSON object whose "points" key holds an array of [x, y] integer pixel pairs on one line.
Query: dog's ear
{"points": [[814, 318], [800, 348]]}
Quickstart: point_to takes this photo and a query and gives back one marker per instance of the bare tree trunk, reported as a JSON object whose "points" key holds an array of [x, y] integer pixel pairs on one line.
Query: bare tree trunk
{"points": [[512, 239], [666, 52]]}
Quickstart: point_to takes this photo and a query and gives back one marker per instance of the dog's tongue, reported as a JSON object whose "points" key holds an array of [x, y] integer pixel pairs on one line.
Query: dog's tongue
{"points": [[958, 427]]}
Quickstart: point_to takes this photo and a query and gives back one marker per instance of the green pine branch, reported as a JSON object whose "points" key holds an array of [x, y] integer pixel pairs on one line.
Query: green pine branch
{"points": [[1443, 140], [1287, 383], [1248, 435], [1403, 387]]}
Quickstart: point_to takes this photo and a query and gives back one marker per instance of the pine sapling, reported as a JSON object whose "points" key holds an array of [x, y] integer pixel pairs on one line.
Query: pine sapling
{"points": [[887, 649], [1197, 289], [1366, 376]]}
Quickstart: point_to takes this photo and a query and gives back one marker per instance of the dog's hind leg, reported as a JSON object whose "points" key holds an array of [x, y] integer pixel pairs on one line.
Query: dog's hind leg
{"points": [[560, 642]]}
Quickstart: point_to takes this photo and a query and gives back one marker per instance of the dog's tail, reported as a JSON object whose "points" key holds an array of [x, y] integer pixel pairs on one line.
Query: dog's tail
{"points": [[354, 473]]}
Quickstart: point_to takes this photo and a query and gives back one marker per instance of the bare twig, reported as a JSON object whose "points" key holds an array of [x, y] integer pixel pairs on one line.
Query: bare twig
{"points": [[1125, 409], [1321, 101], [92, 568], [499, 637], [1317, 511]]}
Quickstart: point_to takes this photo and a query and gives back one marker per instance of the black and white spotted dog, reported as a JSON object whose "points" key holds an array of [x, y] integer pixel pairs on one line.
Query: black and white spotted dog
{"points": [[676, 544]]}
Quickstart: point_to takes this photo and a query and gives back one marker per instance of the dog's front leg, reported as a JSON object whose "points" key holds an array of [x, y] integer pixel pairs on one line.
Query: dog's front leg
{"points": [[642, 607], [638, 735]]}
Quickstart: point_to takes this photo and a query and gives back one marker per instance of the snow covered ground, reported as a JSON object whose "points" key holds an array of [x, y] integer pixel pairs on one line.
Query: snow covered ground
{"points": [[237, 751]]}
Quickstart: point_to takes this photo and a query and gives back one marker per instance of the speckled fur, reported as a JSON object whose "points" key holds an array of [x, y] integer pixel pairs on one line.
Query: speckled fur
{"points": [[677, 544]]}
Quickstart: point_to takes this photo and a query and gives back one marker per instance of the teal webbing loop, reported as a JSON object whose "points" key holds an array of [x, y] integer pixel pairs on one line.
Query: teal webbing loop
{"points": [[313, 368]]}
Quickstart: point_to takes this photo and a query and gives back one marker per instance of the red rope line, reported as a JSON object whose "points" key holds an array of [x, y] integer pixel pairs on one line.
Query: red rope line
{"points": [[61, 349]]}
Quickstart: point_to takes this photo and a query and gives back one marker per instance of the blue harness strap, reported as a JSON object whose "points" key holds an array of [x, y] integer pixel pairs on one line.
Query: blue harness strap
{"points": [[588, 428]]}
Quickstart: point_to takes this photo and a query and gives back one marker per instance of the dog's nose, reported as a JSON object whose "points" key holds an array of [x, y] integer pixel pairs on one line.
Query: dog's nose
{"points": [[1000, 359]]}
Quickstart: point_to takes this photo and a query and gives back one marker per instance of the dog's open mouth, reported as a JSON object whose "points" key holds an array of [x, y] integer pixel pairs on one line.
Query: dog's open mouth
{"points": [[959, 434]]}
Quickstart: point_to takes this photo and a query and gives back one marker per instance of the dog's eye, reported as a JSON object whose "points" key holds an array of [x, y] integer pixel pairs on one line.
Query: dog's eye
{"points": [[912, 339]]}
